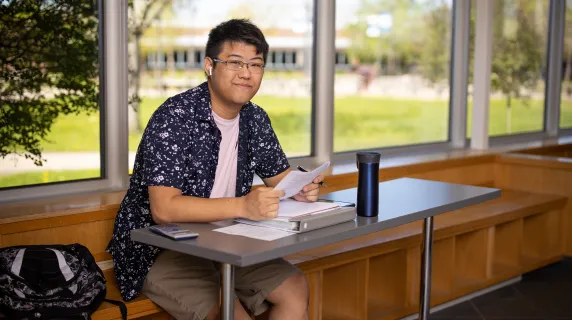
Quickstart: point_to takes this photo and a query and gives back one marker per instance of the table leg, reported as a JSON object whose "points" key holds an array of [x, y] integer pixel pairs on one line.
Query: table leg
{"points": [[425, 289], [227, 306]]}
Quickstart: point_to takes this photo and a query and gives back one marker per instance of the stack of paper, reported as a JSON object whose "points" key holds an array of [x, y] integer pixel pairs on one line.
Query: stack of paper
{"points": [[291, 208], [255, 232], [294, 181]]}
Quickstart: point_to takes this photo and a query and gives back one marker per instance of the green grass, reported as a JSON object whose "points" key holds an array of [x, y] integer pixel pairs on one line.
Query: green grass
{"points": [[566, 112], [39, 177], [360, 122], [524, 117], [73, 133]]}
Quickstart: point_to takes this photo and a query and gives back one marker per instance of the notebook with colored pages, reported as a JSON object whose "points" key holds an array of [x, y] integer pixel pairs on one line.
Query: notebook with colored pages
{"points": [[296, 216]]}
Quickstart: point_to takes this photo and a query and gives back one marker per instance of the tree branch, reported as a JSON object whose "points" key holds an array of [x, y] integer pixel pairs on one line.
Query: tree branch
{"points": [[146, 24], [148, 6]]}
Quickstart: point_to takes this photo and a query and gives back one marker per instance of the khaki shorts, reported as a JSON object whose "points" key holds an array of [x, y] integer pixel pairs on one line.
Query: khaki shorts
{"points": [[188, 287]]}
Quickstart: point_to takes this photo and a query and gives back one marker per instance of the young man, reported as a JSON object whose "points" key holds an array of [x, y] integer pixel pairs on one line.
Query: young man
{"points": [[196, 163]]}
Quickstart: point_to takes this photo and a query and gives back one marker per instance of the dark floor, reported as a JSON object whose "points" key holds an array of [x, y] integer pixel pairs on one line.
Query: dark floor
{"points": [[542, 294]]}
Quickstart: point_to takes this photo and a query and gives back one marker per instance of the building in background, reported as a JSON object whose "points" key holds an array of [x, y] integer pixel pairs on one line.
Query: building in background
{"points": [[183, 48]]}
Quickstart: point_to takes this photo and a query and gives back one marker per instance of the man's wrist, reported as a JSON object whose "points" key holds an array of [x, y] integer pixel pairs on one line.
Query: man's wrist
{"points": [[241, 207]]}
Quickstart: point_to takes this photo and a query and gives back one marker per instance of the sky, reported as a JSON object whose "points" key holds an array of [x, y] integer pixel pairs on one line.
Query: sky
{"points": [[284, 14], [280, 13]]}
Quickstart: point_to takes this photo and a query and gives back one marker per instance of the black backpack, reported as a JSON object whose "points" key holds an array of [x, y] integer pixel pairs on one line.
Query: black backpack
{"points": [[51, 282]]}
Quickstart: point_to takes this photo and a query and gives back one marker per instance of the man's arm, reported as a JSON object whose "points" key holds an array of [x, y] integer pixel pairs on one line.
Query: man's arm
{"points": [[271, 182], [169, 205]]}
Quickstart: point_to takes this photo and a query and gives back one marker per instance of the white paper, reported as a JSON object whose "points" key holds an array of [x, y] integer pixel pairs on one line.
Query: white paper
{"points": [[293, 208], [295, 180], [250, 231]]}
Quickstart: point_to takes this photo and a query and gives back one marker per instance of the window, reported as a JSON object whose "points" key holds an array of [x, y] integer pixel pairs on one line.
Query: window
{"points": [[180, 59], [520, 31], [566, 90], [395, 90], [184, 26], [49, 92]]}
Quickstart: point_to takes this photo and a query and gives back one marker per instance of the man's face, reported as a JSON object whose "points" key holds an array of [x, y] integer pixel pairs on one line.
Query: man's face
{"points": [[236, 86]]}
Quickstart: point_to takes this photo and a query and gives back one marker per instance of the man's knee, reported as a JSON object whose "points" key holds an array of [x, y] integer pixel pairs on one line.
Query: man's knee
{"points": [[239, 312], [296, 291], [213, 314], [304, 288]]}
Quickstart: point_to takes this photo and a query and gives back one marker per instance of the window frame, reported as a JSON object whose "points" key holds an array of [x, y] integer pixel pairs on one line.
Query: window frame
{"points": [[114, 95], [113, 114]]}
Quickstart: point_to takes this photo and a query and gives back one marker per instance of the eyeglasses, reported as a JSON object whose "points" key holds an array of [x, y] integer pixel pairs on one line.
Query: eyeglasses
{"points": [[237, 65]]}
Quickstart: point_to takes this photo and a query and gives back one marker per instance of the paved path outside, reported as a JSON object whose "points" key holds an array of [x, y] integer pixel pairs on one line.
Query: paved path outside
{"points": [[55, 161]]}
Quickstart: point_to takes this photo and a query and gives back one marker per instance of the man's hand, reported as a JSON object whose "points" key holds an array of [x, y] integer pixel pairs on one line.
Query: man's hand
{"points": [[261, 204], [310, 192]]}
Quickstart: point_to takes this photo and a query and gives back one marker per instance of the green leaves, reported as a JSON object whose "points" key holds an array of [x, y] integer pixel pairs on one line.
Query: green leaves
{"points": [[517, 58], [48, 66]]}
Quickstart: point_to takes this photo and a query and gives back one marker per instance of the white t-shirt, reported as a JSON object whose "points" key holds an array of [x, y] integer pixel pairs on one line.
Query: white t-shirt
{"points": [[225, 178]]}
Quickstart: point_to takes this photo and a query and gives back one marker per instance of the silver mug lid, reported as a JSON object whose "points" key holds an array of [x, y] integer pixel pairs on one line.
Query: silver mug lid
{"points": [[368, 157]]}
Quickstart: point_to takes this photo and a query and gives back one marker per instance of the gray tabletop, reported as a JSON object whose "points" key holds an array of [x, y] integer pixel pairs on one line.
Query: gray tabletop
{"points": [[401, 201]]}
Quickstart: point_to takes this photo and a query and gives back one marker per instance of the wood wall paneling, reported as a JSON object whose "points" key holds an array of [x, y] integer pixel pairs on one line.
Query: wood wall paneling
{"points": [[507, 247], [387, 287], [442, 275], [413, 275], [344, 291], [94, 235], [544, 180], [541, 236], [479, 174], [315, 282], [471, 258]]}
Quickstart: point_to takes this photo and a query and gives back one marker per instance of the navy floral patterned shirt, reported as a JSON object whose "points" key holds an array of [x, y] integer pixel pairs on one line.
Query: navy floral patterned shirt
{"points": [[179, 149]]}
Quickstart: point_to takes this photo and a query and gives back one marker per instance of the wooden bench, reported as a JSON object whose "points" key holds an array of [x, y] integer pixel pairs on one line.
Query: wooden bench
{"points": [[539, 174], [477, 229], [560, 150], [137, 308]]}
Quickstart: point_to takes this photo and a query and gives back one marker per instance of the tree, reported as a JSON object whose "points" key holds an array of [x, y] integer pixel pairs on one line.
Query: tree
{"points": [[517, 59], [142, 14], [402, 42], [48, 67], [567, 54], [434, 59], [517, 47]]}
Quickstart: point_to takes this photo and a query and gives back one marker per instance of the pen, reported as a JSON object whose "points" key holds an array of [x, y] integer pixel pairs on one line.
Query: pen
{"points": [[304, 170]]}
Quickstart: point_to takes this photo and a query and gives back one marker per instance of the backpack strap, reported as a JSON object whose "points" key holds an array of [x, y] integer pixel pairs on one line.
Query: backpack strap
{"points": [[121, 305]]}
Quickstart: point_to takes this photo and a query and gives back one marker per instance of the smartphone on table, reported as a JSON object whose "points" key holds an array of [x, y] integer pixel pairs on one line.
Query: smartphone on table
{"points": [[173, 231]]}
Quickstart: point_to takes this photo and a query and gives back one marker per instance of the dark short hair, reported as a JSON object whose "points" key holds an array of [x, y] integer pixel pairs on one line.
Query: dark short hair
{"points": [[236, 30]]}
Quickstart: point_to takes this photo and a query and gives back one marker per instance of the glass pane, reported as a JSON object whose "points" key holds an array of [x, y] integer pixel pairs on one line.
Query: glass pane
{"points": [[520, 31], [566, 90], [183, 27], [49, 92], [392, 73]]}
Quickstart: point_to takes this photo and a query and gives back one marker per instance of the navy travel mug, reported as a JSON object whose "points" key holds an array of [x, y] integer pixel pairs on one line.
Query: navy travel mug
{"points": [[368, 184]]}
